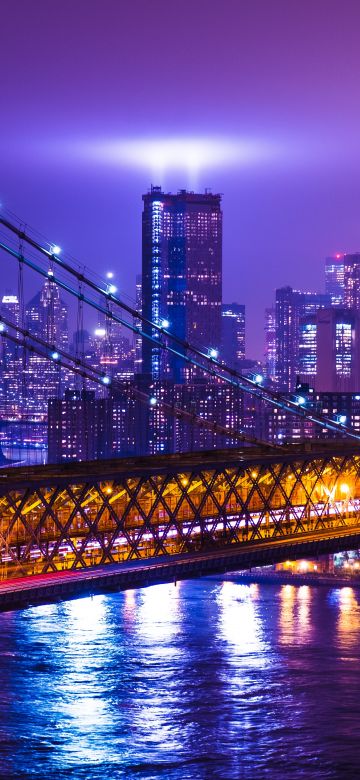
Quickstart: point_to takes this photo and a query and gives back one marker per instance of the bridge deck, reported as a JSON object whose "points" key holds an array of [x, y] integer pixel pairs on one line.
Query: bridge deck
{"points": [[62, 585]]}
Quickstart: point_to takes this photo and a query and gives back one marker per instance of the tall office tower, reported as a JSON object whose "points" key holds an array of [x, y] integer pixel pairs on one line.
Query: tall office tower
{"points": [[233, 333], [334, 279], [290, 306], [338, 350], [270, 344], [11, 363], [46, 317], [181, 275], [352, 281]]}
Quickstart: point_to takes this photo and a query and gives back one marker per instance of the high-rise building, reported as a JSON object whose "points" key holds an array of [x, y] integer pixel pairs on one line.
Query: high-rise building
{"points": [[79, 427], [338, 350], [233, 333], [334, 279], [181, 275], [11, 363], [270, 344], [352, 281], [307, 348], [46, 315], [291, 306], [211, 401], [46, 318], [329, 350]]}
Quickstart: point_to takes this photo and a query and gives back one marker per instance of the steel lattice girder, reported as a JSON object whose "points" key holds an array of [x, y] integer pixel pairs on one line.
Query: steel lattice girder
{"points": [[121, 516]]}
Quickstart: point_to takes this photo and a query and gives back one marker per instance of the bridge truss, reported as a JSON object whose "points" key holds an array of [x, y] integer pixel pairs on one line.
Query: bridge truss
{"points": [[91, 514]]}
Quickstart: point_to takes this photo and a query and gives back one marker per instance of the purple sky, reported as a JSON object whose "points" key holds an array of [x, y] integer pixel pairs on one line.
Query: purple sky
{"points": [[278, 81]]}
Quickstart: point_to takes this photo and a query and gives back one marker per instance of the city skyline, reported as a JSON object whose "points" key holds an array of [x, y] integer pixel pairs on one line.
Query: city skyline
{"points": [[280, 145]]}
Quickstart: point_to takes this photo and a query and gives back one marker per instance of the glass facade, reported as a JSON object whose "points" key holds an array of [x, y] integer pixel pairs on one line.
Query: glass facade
{"points": [[181, 275]]}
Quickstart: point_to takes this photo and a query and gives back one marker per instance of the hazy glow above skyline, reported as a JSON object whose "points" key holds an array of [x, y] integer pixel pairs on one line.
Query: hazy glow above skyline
{"points": [[159, 155]]}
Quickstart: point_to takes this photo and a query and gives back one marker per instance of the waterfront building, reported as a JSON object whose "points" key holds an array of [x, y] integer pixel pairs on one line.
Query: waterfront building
{"points": [[181, 275]]}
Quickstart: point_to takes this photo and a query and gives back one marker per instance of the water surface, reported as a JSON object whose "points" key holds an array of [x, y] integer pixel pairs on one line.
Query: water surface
{"points": [[204, 680]]}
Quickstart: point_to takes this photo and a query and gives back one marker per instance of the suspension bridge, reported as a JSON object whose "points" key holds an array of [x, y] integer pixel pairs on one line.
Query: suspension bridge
{"points": [[87, 527]]}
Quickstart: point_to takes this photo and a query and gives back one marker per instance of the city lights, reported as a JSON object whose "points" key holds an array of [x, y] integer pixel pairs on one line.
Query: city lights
{"points": [[55, 355], [341, 419], [153, 401], [106, 380]]}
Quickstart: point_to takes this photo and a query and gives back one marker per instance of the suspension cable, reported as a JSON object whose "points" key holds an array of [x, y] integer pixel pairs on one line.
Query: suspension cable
{"points": [[213, 367], [80, 367]]}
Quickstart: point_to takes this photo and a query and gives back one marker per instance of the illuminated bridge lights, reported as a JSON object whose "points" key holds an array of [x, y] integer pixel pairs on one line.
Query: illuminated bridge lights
{"points": [[120, 510]]}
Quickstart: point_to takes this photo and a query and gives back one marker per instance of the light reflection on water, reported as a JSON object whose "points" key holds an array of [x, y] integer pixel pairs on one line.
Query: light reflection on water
{"points": [[204, 680], [295, 625]]}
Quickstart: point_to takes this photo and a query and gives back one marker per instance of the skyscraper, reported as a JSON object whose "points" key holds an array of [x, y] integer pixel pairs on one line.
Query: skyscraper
{"points": [[334, 279], [181, 274], [307, 348], [338, 350], [352, 281], [270, 344], [233, 333], [46, 318], [46, 314], [291, 305], [11, 362]]}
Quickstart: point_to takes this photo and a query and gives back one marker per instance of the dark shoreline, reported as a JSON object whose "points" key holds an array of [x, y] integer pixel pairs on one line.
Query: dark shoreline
{"points": [[287, 578]]}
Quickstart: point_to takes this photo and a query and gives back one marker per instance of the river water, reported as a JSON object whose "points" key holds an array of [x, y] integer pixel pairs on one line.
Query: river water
{"points": [[204, 680]]}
